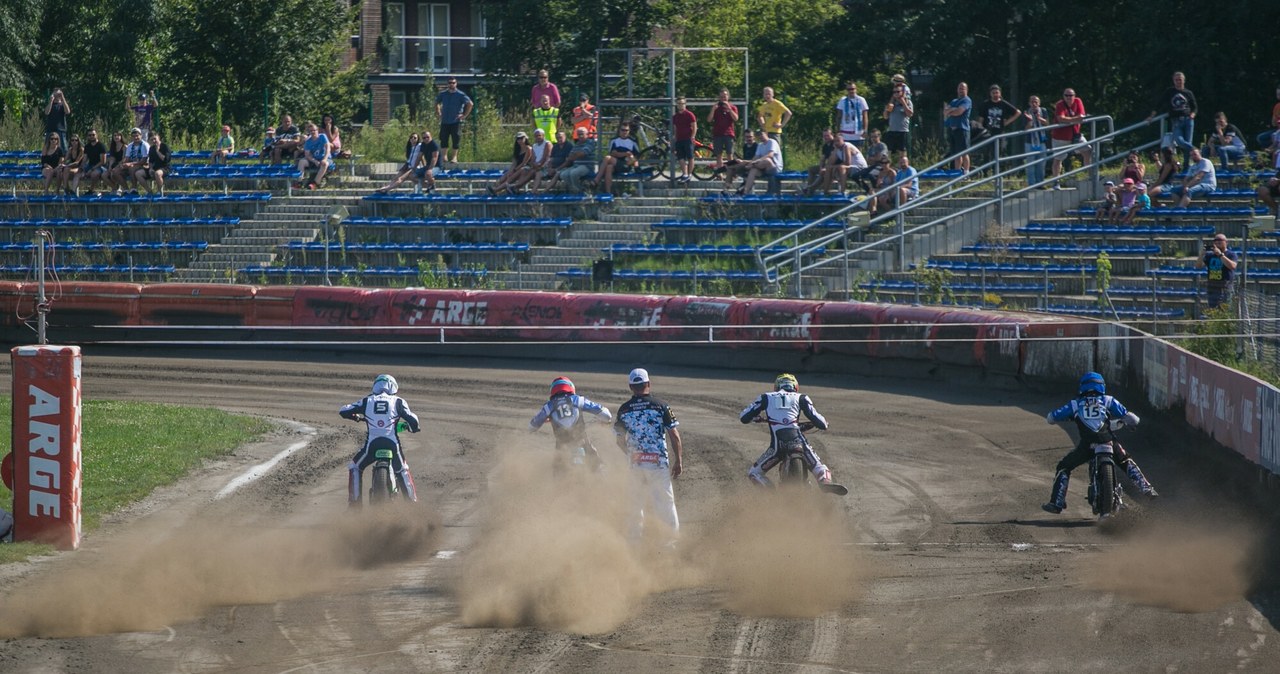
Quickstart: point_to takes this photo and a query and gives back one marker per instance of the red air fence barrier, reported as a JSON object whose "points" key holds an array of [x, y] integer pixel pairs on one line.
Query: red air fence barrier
{"points": [[46, 445], [856, 323], [341, 307], [599, 313], [779, 324], [196, 304], [273, 306], [690, 318]]}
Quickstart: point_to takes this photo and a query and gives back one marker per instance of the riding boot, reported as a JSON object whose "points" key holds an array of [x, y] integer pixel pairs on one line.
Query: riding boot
{"points": [[407, 488], [1138, 479], [757, 476], [353, 485], [1058, 497]]}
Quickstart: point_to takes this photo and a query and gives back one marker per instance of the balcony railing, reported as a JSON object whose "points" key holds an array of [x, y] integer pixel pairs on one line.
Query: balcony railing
{"points": [[438, 54]]}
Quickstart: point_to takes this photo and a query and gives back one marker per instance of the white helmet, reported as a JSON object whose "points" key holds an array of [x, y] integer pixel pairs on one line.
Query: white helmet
{"points": [[385, 383]]}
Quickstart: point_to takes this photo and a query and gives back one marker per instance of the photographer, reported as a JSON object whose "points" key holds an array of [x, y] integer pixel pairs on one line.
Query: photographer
{"points": [[723, 117], [1221, 264], [898, 113], [55, 118]]}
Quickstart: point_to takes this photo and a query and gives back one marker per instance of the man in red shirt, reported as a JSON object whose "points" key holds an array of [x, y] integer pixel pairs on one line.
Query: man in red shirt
{"points": [[723, 118], [685, 124], [1069, 110]]}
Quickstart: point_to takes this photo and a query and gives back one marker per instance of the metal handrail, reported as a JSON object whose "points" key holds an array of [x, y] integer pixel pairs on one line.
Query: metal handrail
{"points": [[946, 190]]}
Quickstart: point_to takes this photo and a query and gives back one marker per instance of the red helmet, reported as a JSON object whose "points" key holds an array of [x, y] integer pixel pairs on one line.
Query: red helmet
{"points": [[562, 385]]}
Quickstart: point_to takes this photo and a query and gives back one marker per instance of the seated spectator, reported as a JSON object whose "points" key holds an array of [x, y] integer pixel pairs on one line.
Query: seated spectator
{"points": [[135, 159], [224, 148], [1140, 204], [431, 161], [288, 143], [268, 144], [1225, 141], [1167, 169], [1110, 205], [734, 167], [1268, 192], [1201, 179], [521, 155], [815, 175], [550, 173], [620, 159], [72, 164], [1268, 139], [766, 163], [51, 160], [886, 197], [541, 151], [152, 171], [908, 178], [409, 168], [97, 162], [1133, 168], [580, 165], [315, 157], [877, 155], [845, 160], [1124, 200], [330, 130], [115, 160]]}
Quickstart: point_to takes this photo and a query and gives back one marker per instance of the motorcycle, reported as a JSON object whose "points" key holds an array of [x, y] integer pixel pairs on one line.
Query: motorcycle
{"points": [[383, 485], [792, 471], [1106, 495]]}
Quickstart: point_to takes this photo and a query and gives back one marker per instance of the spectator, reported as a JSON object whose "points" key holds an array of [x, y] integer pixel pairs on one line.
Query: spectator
{"points": [[1126, 197], [908, 180], [1110, 206], [1068, 110], [452, 107], [1167, 169], [268, 143], [69, 171], [851, 115], [156, 165], [1221, 265], [772, 114], [877, 155], [1180, 103], [426, 170], [55, 117], [115, 159], [560, 150], [1133, 168], [580, 164], [224, 148], [738, 167], [288, 141], [622, 150], [956, 114], [723, 117], [685, 125], [1268, 192], [521, 155], [887, 197], [995, 114], [1201, 179], [816, 174], [135, 159], [317, 154], [51, 160], [541, 151], [845, 159], [898, 113], [1225, 141], [1267, 138], [330, 130], [144, 112], [767, 161], [1034, 119], [545, 117], [585, 116], [545, 87], [412, 161], [1140, 204], [97, 162]]}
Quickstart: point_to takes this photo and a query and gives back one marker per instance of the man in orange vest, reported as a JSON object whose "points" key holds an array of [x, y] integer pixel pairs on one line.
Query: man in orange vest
{"points": [[584, 116]]}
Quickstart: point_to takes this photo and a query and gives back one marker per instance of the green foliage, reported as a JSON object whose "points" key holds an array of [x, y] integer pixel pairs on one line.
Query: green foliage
{"points": [[936, 283], [1102, 277], [1214, 342]]}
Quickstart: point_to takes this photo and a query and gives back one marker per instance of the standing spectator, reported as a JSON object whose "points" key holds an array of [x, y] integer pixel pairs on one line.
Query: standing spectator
{"points": [[1201, 179], [581, 163], [585, 116], [544, 87], [330, 130], [1180, 103], [996, 114], [685, 125], [72, 164], [144, 112], [1267, 138], [158, 157], [1269, 192], [288, 141], [622, 150], [767, 161], [224, 148], [723, 117], [316, 154], [55, 117], [135, 158], [1140, 204], [1225, 141], [51, 160], [1133, 168], [1034, 119], [1068, 110], [1221, 265], [851, 115], [97, 162], [898, 113], [647, 431], [956, 114], [772, 114], [560, 150], [545, 117], [521, 155], [452, 107]]}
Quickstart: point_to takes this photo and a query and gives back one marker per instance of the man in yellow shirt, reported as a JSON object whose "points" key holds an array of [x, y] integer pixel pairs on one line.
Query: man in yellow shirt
{"points": [[772, 115], [546, 117]]}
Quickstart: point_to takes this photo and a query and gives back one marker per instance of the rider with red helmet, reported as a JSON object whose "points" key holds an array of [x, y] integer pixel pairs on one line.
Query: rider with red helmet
{"points": [[564, 410]]}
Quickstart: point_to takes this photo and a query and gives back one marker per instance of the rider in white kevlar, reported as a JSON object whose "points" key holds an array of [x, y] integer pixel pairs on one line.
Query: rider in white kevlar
{"points": [[782, 408], [564, 410], [382, 411]]}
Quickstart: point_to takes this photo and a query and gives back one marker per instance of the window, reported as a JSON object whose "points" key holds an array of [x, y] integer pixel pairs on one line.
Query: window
{"points": [[393, 27], [433, 21]]}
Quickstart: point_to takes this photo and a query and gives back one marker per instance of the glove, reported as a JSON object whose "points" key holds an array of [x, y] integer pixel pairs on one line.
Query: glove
{"points": [[1116, 424]]}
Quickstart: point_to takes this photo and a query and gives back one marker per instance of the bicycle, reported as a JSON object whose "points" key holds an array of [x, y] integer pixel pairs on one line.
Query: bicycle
{"points": [[654, 159]]}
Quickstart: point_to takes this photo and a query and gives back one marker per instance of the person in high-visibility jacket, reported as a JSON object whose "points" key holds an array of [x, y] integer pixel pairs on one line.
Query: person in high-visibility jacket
{"points": [[546, 117], [584, 116]]}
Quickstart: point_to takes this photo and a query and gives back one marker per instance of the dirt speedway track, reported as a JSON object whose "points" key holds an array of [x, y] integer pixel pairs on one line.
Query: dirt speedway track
{"points": [[939, 560]]}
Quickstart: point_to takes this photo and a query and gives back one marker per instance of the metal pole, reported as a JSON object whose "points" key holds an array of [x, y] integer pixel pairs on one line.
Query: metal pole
{"points": [[844, 227], [902, 225], [42, 302], [327, 239], [799, 281], [995, 144]]}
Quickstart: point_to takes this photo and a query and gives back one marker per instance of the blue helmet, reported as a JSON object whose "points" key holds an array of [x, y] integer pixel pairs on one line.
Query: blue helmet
{"points": [[1092, 382]]}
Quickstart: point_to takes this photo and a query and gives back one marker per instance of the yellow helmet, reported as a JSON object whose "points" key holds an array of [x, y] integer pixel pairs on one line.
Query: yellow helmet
{"points": [[786, 382]]}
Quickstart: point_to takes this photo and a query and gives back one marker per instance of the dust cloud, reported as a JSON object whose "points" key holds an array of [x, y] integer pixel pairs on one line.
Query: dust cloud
{"points": [[1179, 567], [148, 579]]}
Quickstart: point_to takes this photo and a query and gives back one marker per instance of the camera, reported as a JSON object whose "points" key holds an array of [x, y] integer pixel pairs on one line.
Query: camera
{"points": [[1208, 245]]}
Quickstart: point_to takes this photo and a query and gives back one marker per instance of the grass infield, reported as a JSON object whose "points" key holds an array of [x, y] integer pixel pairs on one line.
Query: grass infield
{"points": [[130, 448]]}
